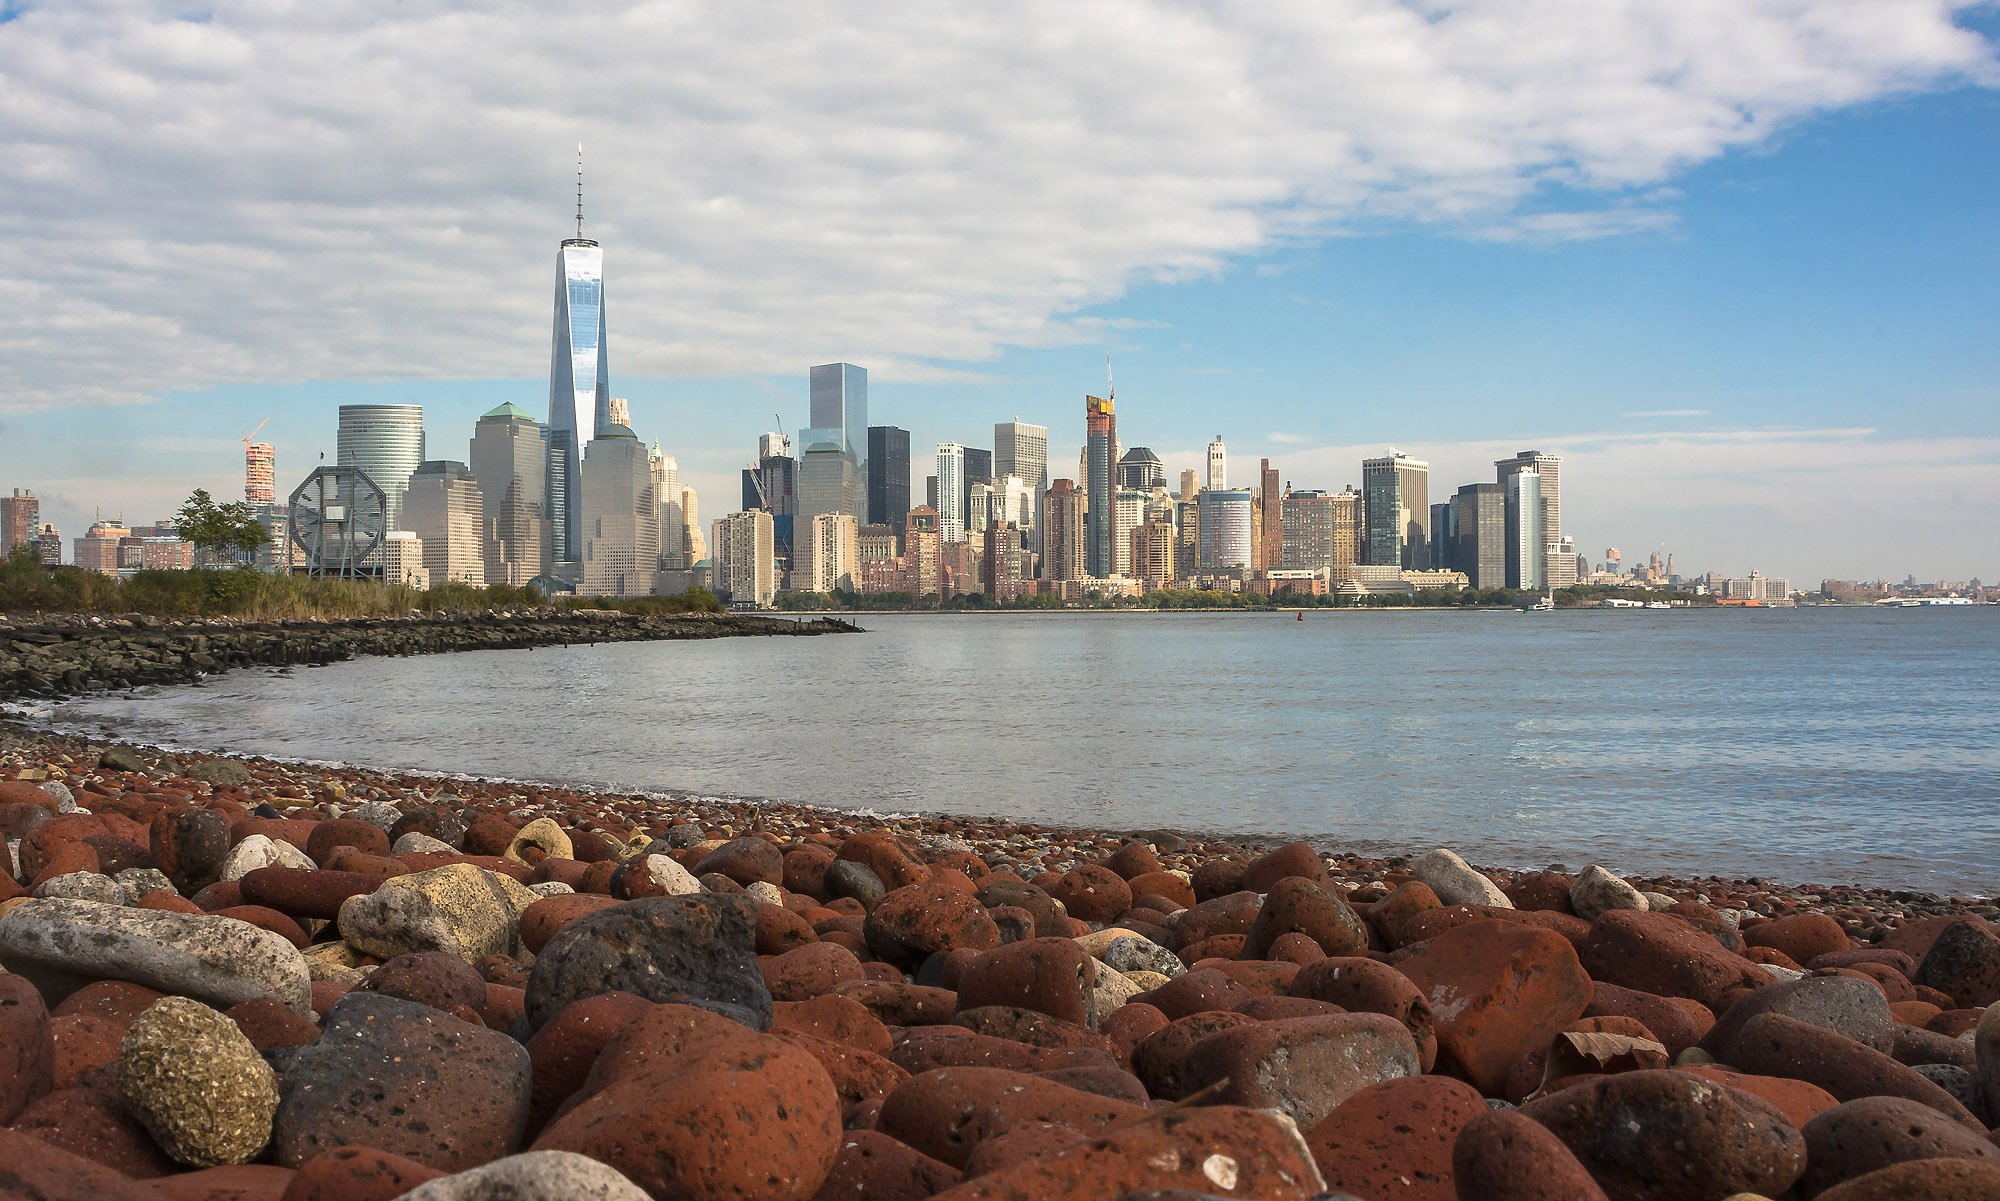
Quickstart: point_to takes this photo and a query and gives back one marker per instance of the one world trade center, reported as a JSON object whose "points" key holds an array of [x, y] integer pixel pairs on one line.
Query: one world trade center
{"points": [[579, 387]]}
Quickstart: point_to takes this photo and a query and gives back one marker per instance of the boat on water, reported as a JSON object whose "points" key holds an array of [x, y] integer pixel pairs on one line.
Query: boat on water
{"points": [[1543, 604]]}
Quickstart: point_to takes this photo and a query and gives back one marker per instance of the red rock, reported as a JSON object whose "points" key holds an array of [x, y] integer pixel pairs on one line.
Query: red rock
{"points": [[947, 1112], [1676, 1021], [1030, 1027], [37, 1171], [1859, 955], [564, 1050], [27, 1047], [883, 855], [1093, 893], [83, 1042], [1128, 1026], [304, 892], [1952, 1022], [1233, 913], [93, 1123], [1216, 878], [746, 861], [751, 1118], [346, 832], [1221, 1149], [1272, 1009], [120, 1000], [294, 830], [1802, 937], [1923, 1180], [1294, 860], [805, 869], [928, 1048], [173, 902], [489, 834], [1365, 986], [1872, 1133], [914, 922], [265, 918], [541, 920], [812, 970], [1666, 1135], [875, 1167], [1049, 975], [357, 1173], [1497, 993], [1295, 948], [1388, 916], [1296, 904], [236, 1182], [1395, 1139], [189, 845], [1021, 1144], [438, 979], [836, 1018], [1166, 885], [1197, 991], [1656, 953], [1799, 1101], [1914, 938], [1542, 890], [1914, 1013], [1772, 1044], [269, 1024], [858, 1075], [1133, 860], [1220, 946], [1530, 1072], [899, 1004], [1304, 1067], [1503, 1156]]}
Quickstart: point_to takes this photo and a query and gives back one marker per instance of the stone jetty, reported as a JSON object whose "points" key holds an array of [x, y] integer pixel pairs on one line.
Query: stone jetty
{"points": [[253, 981]]}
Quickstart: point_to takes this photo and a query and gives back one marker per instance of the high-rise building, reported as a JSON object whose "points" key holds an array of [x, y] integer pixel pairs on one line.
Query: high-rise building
{"points": [[1526, 544], [579, 382], [1015, 501], [978, 470], [978, 510], [1308, 521], [48, 546], [1189, 485], [1225, 529], [951, 491], [697, 540], [621, 412], [510, 459], [1153, 553], [1128, 509], [97, 551], [386, 442], [1021, 449], [667, 489], [1100, 486], [1559, 565], [1062, 532], [1444, 534], [1003, 565], [773, 445], [20, 520], [1271, 530], [1218, 465], [923, 550], [402, 556], [1141, 469], [260, 473], [1481, 522], [744, 570], [826, 483], [1396, 502], [621, 516], [839, 401], [835, 553], [888, 475], [445, 508], [1187, 536]]}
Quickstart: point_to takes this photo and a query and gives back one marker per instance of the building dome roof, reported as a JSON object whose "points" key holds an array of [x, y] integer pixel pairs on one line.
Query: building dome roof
{"points": [[509, 409]]}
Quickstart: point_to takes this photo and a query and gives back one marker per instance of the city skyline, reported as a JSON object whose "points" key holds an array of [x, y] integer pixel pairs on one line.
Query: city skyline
{"points": [[1743, 343]]}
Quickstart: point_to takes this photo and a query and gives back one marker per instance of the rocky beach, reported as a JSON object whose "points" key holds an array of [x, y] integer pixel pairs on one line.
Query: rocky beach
{"points": [[240, 979]]}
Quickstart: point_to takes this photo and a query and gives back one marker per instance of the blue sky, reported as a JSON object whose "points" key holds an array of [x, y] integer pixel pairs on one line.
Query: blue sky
{"points": [[1772, 351]]}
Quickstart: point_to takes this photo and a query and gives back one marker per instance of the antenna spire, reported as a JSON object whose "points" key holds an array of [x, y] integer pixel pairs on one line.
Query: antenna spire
{"points": [[1110, 388], [579, 191]]}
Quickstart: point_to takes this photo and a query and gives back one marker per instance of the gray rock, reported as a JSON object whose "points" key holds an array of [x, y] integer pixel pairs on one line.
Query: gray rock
{"points": [[858, 881], [414, 843], [223, 773], [1916, 1045], [1135, 954], [1845, 1005], [403, 1078], [465, 910], [82, 886], [765, 893], [198, 1086], [1986, 1050], [1597, 891], [261, 850], [380, 814], [533, 1176], [551, 888], [1660, 902], [138, 882], [123, 758], [1961, 1084], [1456, 883], [1964, 963], [65, 800], [63, 945], [698, 949]]}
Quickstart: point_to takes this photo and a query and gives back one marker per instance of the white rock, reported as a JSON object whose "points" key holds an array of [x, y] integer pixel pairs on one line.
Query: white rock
{"points": [[465, 910], [766, 893], [1780, 974], [65, 800], [533, 1176], [551, 888], [414, 843], [674, 879], [1597, 891], [1659, 902], [261, 850], [380, 814], [1112, 990], [1455, 883], [82, 886], [219, 961]]}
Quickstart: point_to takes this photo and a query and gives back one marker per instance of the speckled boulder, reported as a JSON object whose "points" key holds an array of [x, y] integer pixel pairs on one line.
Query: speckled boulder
{"points": [[1667, 1136], [197, 1084], [434, 978], [1964, 964], [1302, 1067], [1872, 1133], [1395, 1139], [533, 1176], [947, 1112], [1498, 992], [1663, 955], [27, 1047], [538, 840], [189, 845], [470, 912], [1093, 893], [1456, 882], [63, 945], [1049, 975], [404, 1078], [1772, 1044], [1365, 986], [871, 1166], [913, 923], [700, 949], [1302, 906], [1852, 1008], [1504, 1156]]}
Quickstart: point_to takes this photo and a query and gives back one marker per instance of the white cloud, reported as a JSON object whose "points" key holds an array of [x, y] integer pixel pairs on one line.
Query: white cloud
{"points": [[373, 190], [1669, 413], [1285, 439]]}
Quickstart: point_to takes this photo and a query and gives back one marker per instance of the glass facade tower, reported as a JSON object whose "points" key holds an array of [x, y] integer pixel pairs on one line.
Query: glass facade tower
{"points": [[579, 387], [1100, 455], [888, 475], [1396, 498], [386, 442], [839, 401]]}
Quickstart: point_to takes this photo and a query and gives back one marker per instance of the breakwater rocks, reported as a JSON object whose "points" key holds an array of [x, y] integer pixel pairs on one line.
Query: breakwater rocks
{"points": [[260, 981], [71, 656]]}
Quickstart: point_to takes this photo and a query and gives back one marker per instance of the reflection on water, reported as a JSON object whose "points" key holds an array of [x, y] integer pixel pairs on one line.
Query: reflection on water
{"points": [[1841, 746]]}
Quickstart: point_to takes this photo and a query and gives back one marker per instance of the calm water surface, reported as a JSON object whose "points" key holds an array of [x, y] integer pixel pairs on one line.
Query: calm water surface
{"points": [[1840, 746]]}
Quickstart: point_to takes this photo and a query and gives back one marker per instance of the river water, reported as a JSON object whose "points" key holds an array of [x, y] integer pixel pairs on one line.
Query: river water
{"points": [[1829, 745]]}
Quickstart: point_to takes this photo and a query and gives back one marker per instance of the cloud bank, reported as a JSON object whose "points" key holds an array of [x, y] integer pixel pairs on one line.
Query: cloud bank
{"points": [[374, 189]]}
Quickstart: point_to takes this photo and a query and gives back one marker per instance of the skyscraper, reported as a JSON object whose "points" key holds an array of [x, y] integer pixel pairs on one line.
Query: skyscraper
{"points": [[1020, 449], [260, 473], [1559, 566], [888, 475], [839, 401], [20, 520], [510, 459], [826, 483], [923, 550], [744, 570], [621, 516], [667, 491], [1100, 486], [834, 554], [978, 470], [1015, 502], [1271, 530], [1225, 529], [386, 442], [1396, 501], [951, 489], [1153, 553], [1481, 519], [1218, 465], [444, 507], [579, 380], [1140, 468], [1526, 543], [1189, 484], [1128, 509], [1062, 532]]}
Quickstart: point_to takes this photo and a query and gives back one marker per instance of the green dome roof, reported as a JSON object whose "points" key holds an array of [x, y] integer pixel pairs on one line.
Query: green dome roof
{"points": [[511, 410]]}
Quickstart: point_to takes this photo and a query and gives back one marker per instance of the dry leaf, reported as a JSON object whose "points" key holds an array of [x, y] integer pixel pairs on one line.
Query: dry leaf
{"points": [[1576, 1051]]}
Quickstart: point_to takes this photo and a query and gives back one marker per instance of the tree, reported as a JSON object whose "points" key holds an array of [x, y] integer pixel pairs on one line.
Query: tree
{"points": [[220, 529]]}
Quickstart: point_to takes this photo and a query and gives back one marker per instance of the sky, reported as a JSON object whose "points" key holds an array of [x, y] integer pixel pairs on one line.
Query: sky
{"points": [[1736, 260]]}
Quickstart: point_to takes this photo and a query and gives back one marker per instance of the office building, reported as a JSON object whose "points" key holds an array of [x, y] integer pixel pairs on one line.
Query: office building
{"points": [[743, 569], [1309, 520], [1526, 545], [1020, 449], [1003, 563], [888, 475], [923, 550], [1153, 553], [260, 472], [402, 559], [621, 516], [1100, 485], [1480, 519], [1015, 501], [826, 483], [621, 412], [1396, 504], [446, 509], [833, 553], [1062, 532], [875, 543], [1224, 515], [386, 442], [978, 510], [1187, 536], [1444, 535], [693, 530], [951, 491], [1141, 469], [20, 520], [1128, 510], [978, 470], [1270, 512], [1218, 465], [1559, 566], [48, 546], [839, 402], [667, 491], [97, 550], [1190, 484], [510, 460], [579, 384]]}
